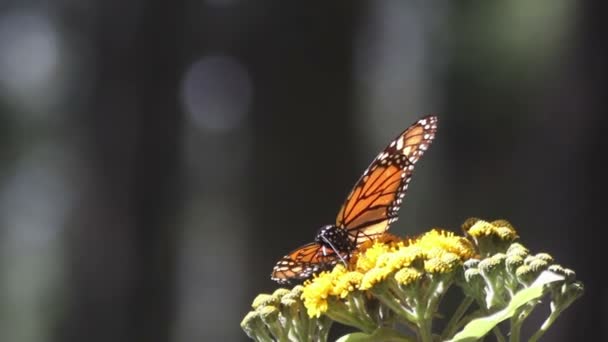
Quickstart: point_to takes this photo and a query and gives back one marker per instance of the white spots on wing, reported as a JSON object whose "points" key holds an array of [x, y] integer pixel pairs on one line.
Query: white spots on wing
{"points": [[400, 143], [427, 136], [422, 122], [423, 147], [410, 167], [407, 150], [383, 155], [368, 170], [392, 144], [427, 127]]}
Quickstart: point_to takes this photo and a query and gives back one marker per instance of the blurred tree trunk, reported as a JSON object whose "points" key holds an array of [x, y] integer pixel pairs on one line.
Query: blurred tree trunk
{"points": [[587, 317], [556, 163], [304, 128], [121, 252]]}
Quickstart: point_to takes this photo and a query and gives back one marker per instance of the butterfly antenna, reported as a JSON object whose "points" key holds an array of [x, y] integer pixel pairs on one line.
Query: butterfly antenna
{"points": [[335, 250]]}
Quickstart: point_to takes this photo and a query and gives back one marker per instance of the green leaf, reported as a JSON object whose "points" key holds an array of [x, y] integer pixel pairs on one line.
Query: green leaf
{"points": [[380, 335], [477, 328]]}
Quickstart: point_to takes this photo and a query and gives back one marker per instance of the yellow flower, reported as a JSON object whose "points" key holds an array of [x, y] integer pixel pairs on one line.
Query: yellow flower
{"points": [[446, 241], [538, 265], [338, 271], [269, 314], [437, 251], [250, 319], [405, 256], [253, 326], [481, 228], [503, 223], [280, 292], [315, 293], [264, 299], [525, 274], [384, 239], [367, 259], [503, 230], [517, 249], [444, 263], [492, 264], [374, 276], [545, 257], [347, 283], [407, 276]]}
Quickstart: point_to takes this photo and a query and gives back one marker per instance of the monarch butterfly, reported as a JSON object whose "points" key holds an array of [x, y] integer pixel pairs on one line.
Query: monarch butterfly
{"points": [[369, 209]]}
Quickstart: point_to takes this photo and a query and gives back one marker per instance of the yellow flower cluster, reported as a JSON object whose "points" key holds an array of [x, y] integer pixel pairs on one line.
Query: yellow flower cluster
{"points": [[490, 237], [499, 228], [404, 260], [390, 282]]}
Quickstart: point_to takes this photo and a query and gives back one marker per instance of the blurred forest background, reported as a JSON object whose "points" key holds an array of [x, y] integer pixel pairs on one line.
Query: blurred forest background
{"points": [[157, 158]]}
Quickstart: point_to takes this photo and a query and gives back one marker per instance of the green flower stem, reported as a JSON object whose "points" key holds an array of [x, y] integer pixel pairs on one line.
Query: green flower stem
{"points": [[324, 326], [432, 298], [425, 306], [263, 336], [545, 326], [304, 326], [293, 318], [403, 296], [344, 316], [424, 330], [311, 328], [555, 312], [499, 336], [277, 331], [518, 319], [453, 324], [394, 304], [357, 303], [515, 331]]}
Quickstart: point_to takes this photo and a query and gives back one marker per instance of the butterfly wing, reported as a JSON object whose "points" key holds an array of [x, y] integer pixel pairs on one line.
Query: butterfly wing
{"points": [[370, 207], [374, 202], [303, 262]]}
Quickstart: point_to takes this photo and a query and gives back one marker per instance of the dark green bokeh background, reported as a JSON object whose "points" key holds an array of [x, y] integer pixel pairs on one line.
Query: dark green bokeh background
{"points": [[158, 157]]}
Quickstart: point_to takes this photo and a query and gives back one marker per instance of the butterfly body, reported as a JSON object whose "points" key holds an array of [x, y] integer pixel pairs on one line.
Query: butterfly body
{"points": [[335, 238], [369, 210]]}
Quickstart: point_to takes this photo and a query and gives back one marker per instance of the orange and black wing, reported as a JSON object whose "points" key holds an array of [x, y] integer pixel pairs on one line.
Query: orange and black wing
{"points": [[374, 202], [304, 262]]}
